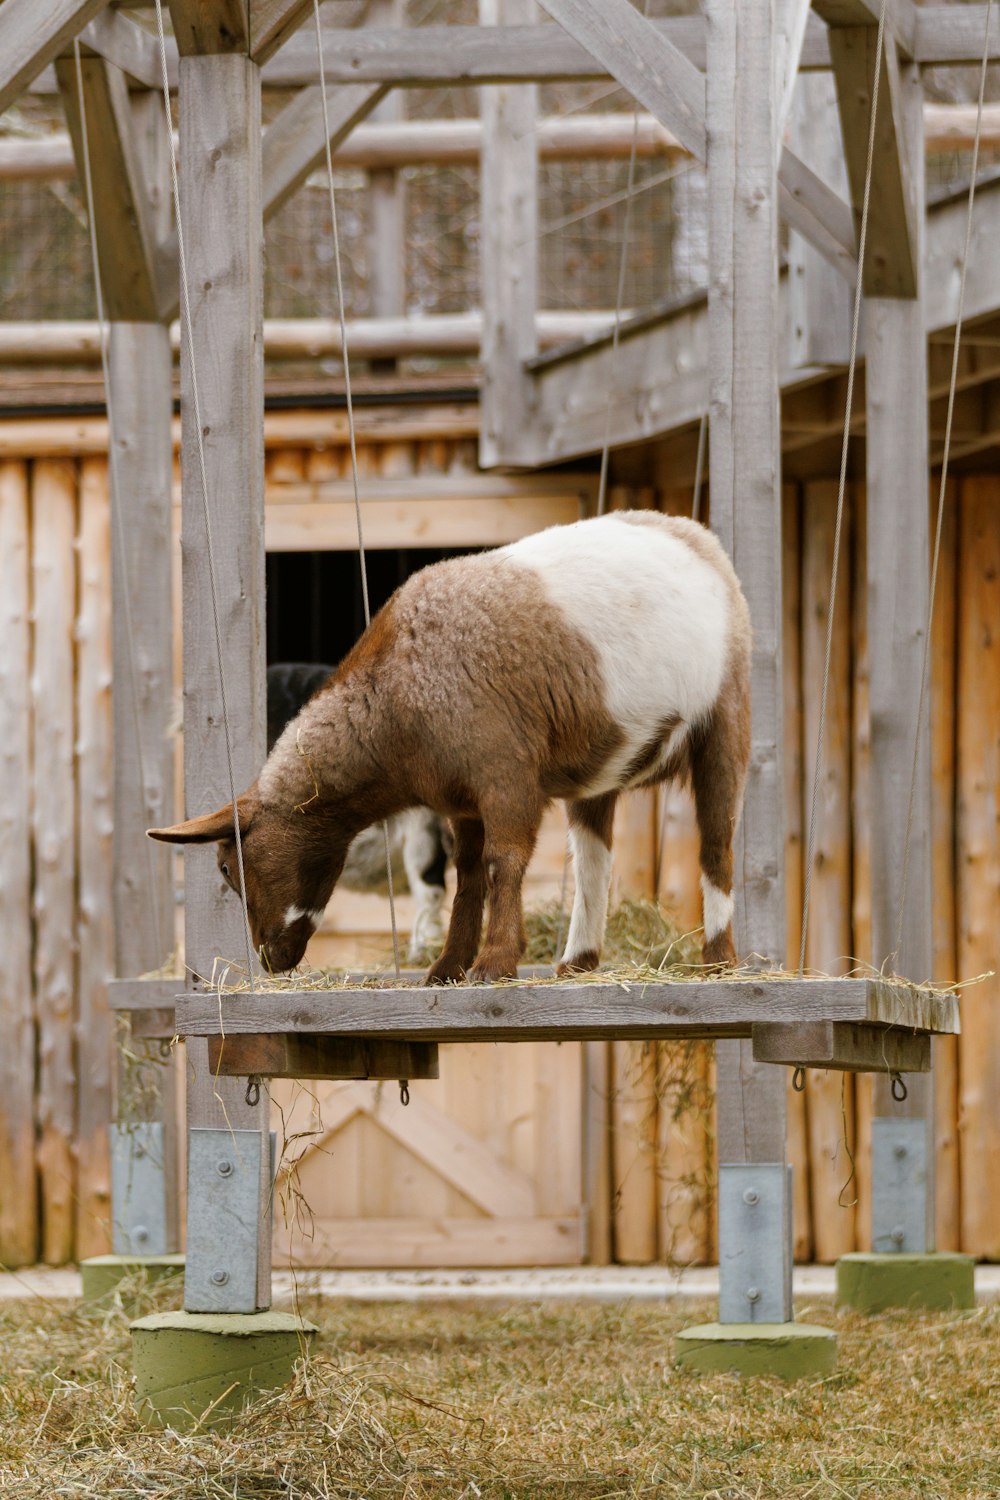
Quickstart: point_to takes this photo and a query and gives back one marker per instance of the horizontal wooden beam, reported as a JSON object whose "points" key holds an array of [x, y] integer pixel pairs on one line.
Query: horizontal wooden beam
{"points": [[412, 143], [847, 1046], [900, 18], [205, 27], [411, 521], [586, 1011], [31, 35], [431, 56], [299, 1056], [130, 47], [308, 338], [272, 22]]}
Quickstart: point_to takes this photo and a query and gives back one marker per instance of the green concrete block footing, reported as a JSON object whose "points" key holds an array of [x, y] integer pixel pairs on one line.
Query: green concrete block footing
{"points": [[196, 1369], [790, 1350], [102, 1275], [869, 1283]]}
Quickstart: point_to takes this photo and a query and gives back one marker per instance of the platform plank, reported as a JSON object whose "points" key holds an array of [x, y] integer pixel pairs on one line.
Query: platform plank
{"points": [[303, 1055], [565, 1012], [843, 1046]]}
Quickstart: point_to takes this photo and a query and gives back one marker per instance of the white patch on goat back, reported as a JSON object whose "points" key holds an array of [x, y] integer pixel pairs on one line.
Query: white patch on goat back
{"points": [[296, 913], [717, 907], [656, 612]]}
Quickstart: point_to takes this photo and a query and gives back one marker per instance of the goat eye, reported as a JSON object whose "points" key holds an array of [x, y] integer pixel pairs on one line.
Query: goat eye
{"points": [[225, 871]]}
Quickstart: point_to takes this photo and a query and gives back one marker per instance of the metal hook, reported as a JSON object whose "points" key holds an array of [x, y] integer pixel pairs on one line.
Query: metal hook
{"points": [[404, 1092], [899, 1089], [252, 1095], [799, 1079]]}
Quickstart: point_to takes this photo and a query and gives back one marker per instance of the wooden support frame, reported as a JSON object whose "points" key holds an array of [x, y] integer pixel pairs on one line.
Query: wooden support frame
{"points": [[259, 1054], [220, 134], [32, 35], [591, 1010], [898, 570], [126, 241]]}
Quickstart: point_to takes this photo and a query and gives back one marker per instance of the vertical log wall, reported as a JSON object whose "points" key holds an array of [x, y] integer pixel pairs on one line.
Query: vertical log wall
{"points": [[55, 879]]}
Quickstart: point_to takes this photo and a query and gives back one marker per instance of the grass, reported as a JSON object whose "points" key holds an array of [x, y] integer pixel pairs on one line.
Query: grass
{"points": [[526, 1401]]}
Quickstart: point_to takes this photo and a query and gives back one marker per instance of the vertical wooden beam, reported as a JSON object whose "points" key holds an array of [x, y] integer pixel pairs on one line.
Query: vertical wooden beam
{"points": [[898, 587], [508, 219], [139, 369], [387, 203], [819, 294], [745, 447], [95, 926], [220, 143], [18, 1173], [54, 529], [979, 861]]}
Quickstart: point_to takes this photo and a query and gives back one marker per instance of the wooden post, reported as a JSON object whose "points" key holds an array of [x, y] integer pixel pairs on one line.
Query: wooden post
{"points": [[898, 587], [19, 1201], [139, 368], [744, 453], [508, 178], [220, 144], [387, 204]]}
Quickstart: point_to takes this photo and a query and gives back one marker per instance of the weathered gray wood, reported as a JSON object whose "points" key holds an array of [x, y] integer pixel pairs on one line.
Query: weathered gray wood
{"points": [[125, 240], [138, 995], [139, 368], [900, 18], [898, 549], [642, 58], [306, 1056], [126, 45], [272, 22], [820, 299], [387, 205], [819, 214], [791, 21], [154, 1026], [508, 266], [955, 33], [295, 142], [891, 253], [211, 27], [31, 35], [587, 1011], [844, 1045], [19, 1201], [745, 447], [220, 174]]}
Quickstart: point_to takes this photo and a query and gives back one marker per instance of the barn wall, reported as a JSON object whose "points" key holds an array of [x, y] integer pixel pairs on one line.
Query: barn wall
{"points": [[55, 898]]}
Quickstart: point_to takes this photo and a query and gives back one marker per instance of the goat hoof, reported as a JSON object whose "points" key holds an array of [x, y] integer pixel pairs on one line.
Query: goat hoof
{"points": [[489, 967], [583, 963], [719, 950], [444, 971]]}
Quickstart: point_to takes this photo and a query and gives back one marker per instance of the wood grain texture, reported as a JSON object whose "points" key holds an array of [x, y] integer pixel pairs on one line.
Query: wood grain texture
{"points": [[797, 1139], [978, 776], [220, 139], [31, 36], [19, 1201], [569, 1012], [54, 531], [319, 1057], [945, 874], [508, 259], [634, 1155], [851, 1049], [95, 916], [126, 243], [744, 449], [210, 27], [898, 583], [448, 521], [272, 22], [892, 252], [295, 141], [432, 1242], [829, 1095], [861, 789]]}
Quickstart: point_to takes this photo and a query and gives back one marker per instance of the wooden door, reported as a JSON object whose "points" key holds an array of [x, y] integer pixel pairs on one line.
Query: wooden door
{"points": [[482, 1168]]}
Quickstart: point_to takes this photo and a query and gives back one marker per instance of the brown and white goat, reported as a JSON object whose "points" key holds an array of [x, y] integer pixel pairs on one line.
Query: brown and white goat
{"points": [[576, 663]]}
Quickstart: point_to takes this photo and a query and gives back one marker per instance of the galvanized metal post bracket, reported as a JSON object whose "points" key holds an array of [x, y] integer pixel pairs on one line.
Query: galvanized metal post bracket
{"points": [[139, 1189], [224, 1179], [899, 1186], [755, 1243]]}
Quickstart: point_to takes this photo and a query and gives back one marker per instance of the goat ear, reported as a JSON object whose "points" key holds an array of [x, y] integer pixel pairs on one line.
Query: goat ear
{"points": [[209, 827]]}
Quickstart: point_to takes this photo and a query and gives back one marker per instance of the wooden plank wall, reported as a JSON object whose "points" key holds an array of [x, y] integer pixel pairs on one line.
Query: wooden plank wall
{"points": [[658, 1155]]}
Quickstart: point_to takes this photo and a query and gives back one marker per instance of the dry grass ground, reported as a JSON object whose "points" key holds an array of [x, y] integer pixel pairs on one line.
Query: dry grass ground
{"points": [[525, 1401]]}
